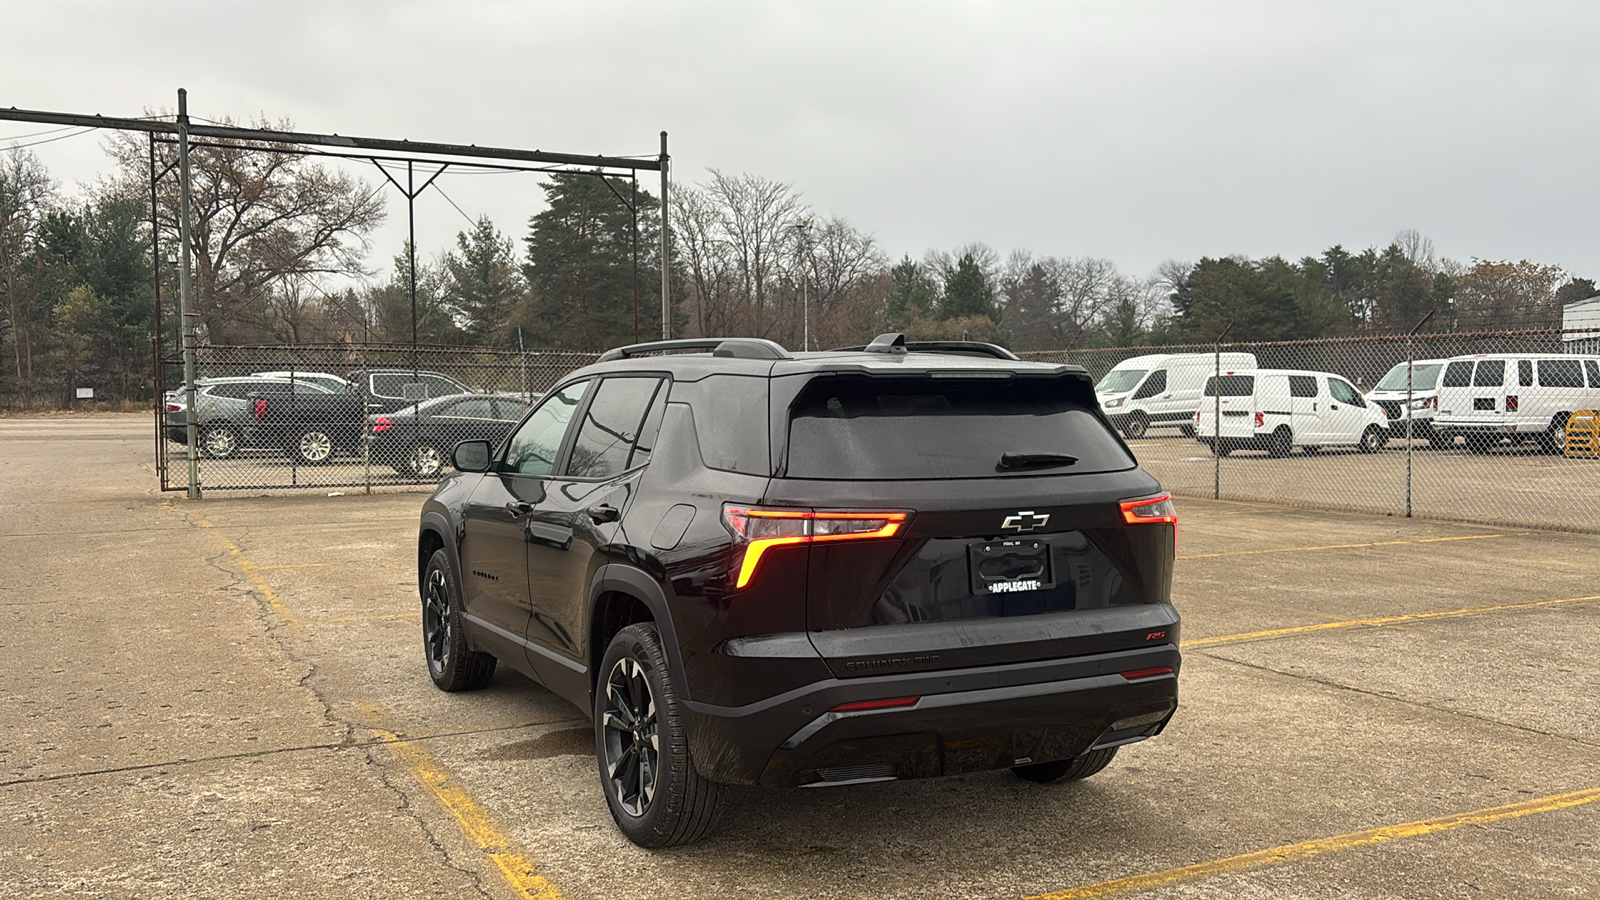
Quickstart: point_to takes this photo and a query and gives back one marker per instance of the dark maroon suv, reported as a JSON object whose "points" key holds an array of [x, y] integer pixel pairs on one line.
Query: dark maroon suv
{"points": [[751, 566]]}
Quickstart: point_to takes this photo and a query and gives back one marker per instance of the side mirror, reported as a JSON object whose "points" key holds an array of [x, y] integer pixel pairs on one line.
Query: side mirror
{"points": [[471, 456]]}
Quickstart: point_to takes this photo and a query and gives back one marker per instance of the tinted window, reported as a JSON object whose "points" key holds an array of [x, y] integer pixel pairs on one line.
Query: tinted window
{"points": [[1302, 386], [651, 429], [389, 384], [1490, 373], [310, 387], [533, 448], [1155, 384], [1344, 393], [610, 427], [850, 427], [472, 408], [1458, 374], [1559, 373], [231, 391], [440, 386], [1525, 373], [1593, 368], [730, 417], [1232, 386], [509, 409]]}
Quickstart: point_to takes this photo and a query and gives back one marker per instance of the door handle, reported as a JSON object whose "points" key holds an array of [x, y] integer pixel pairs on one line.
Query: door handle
{"points": [[603, 513], [519, 509], [1333, 406]]}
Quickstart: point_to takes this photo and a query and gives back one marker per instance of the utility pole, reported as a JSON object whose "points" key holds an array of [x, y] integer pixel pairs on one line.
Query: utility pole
{"points": [[186, 295], [666, 262], [803, 226]]}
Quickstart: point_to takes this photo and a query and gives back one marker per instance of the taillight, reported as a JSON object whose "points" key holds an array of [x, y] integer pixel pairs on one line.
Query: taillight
{"points": [[893, 703], [261, 409], [1157, 510], [1261, 419], [173, 407], [1511, 403], [762, 529], [383, 423], [1154, 672], [1435, 402]]}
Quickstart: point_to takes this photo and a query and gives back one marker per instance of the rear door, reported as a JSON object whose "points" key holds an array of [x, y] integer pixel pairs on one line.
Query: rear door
{"points": [[1305, 416], [1489, 390], [1011, 543]]}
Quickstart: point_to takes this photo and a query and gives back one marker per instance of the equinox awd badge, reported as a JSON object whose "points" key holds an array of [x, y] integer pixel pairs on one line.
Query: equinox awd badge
{"points": [[1026, 520]]}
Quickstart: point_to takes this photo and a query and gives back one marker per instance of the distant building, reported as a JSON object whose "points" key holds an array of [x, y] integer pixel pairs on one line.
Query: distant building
{"points": [[1580, 325]]}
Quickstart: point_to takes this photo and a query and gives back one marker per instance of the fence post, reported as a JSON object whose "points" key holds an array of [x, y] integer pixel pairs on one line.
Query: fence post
{"points": [[1216, 421], [366, 423], [1411, 414], [186, 295]]}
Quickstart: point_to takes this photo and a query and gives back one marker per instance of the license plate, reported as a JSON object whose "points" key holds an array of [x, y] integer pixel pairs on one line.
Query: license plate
{"points": [[1012, 566]]}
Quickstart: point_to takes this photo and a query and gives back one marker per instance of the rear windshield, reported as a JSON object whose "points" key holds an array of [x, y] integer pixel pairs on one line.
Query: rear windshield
{"points": [[1119, 381], [847, 427], [1232, 386], [1423, 377]]}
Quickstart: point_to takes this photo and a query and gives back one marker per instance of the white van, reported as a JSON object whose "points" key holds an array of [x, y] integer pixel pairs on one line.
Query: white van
{"points": [[1278, 409], [1160, 388], [1519, 396], [1390, 395]]}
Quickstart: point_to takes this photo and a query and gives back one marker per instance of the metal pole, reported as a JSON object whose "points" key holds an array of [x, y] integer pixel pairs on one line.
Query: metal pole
{"points": [[158, 372], [666, 262], [1411, 414], [186, 294], [1216, 421], [411, 247], [634, 209]]}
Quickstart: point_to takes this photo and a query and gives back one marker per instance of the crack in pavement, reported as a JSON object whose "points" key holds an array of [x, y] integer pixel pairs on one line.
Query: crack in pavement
{"points": [[1466, 714], [410, 811]]}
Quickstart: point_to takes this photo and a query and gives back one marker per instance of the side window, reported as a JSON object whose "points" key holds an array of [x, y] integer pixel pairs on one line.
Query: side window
{"points": [[730, 418], [533, 448], [610, 427], [1525, 372], [233, 391], [389, 384], [1155, 384], [1565, 373], [1593, 368], [310, 387], [1490, 373], [1344, 393], [1302, 386], [441, 387], [1458, 374], [474, 408], [651, 428], [510, 410]]}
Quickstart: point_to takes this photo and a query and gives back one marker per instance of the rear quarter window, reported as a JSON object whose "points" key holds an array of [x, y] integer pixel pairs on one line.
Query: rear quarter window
{"points": [[857, 428], [730, 417], [1458, 374], [1232, 386]]}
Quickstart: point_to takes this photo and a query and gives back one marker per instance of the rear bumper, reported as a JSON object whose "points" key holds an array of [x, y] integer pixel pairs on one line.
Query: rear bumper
{"points": [[966, 720]]}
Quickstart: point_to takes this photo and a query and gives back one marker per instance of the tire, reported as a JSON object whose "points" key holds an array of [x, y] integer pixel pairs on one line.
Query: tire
{"points": [[1373, 439], [425, 460], [1066, 769], [656, 796], [1135, 426], [313, 447], [1481, 443], [1310, 449], [451, 665], [1553, 440], [1281, 442], [1220, 448], [1186, 430], [1441, 441], [219, 441]]}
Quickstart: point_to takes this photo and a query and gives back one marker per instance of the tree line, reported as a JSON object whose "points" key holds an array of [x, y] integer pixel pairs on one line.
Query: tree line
{"points": [[281, 247]]}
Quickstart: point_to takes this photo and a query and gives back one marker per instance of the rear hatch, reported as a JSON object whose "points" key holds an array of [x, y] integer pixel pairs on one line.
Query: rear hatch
{"points": [[1236, 406], [1003, 536]]}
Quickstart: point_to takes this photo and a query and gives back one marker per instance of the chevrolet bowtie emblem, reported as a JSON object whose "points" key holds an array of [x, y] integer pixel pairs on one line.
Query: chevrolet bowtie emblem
{"points": [[1027, 520]]}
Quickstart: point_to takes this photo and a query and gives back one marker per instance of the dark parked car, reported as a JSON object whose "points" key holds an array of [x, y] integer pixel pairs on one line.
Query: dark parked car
{"points": [[417, 440], [227, 410], [393, 389], [756, 567]]}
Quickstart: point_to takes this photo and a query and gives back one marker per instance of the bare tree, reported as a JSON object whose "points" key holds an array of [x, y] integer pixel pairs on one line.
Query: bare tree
{"points": [[26, 195], [1418, 249], [260, 218], [754, 214]]}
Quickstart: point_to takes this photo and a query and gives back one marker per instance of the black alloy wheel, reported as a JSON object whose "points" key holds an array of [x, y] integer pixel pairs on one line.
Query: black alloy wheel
{"points": [[655, 794], [451, 665]]}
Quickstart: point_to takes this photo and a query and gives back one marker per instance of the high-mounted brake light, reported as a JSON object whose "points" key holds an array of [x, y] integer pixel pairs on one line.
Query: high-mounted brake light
{"points": [[383, 423], [1157, 510], [763, 529]]}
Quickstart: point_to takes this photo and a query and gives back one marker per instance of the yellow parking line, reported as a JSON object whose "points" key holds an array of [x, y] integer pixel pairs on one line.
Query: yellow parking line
{"points": [[1377, 621], [1440, 540], [257, 580], [473, 819], [299, 566], [409, 615], [1290, 852]]}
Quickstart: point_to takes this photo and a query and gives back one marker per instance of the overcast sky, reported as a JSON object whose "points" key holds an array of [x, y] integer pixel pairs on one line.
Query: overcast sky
{"points": [[1133, 131]]}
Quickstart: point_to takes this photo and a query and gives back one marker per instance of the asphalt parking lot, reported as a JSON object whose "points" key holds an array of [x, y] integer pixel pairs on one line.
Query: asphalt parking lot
{"points": [[227, 698]]}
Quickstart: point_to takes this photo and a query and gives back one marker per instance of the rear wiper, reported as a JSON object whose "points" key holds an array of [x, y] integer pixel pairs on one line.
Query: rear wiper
{"points": [[1027, 460]]}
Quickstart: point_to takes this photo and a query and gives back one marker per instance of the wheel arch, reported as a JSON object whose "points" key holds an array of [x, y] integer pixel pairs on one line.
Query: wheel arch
{"points": [[621, 595]]}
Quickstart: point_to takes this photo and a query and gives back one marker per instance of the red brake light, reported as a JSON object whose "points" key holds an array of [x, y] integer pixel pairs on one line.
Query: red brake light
{"points": [[173, 407], [1157, 510], [1261, 419], [1147, 673], [1436, 401], [261, 409], [762, 529], [1511, 403], [895, 703], [384, 423]]}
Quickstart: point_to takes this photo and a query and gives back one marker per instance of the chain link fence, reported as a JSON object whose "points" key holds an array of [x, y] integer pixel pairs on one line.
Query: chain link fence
{"points": [[1487, 438], [341, 416], [370, 417]]}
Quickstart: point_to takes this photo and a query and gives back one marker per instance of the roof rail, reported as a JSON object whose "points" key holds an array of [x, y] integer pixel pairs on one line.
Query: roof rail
{"points": [[740, 348], [955, 348]]}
